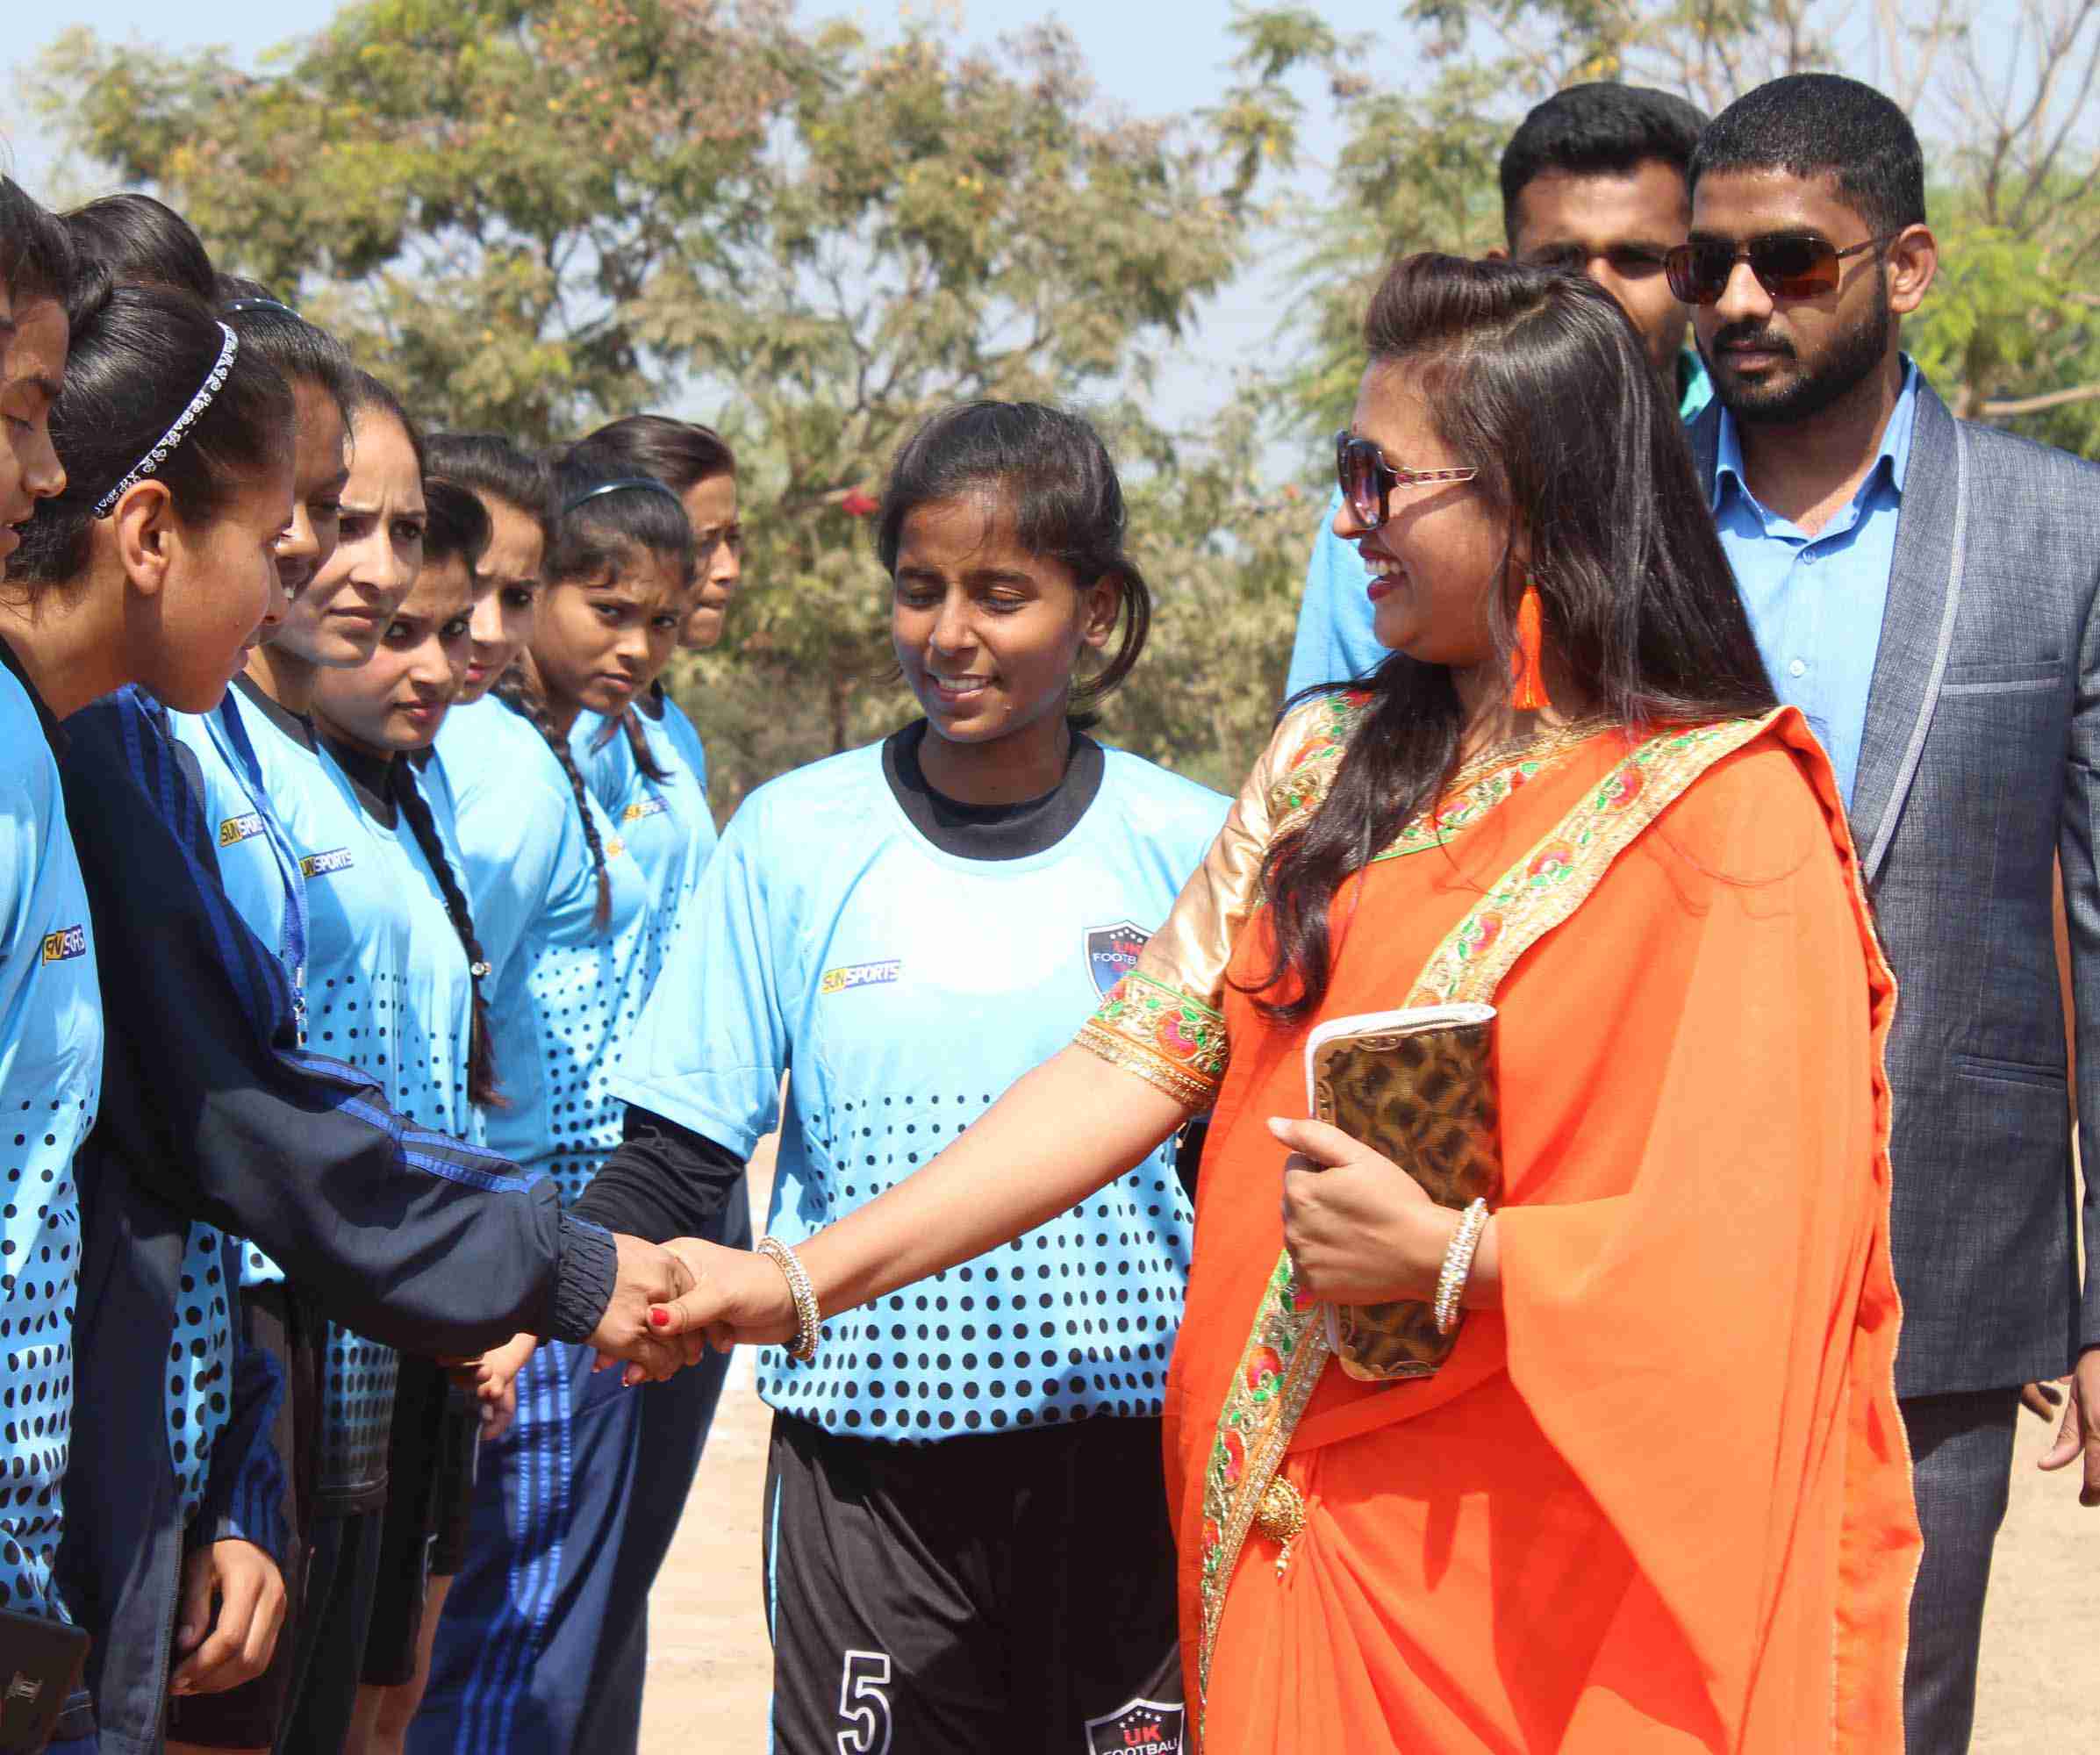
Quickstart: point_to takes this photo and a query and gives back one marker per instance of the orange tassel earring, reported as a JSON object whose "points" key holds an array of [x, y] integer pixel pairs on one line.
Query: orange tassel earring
{"points": [[1527, 663]]}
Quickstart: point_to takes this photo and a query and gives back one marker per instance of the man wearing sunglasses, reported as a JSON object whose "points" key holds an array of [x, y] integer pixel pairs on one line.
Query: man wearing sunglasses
{"points": [[1594, 181], [1923, 590]]}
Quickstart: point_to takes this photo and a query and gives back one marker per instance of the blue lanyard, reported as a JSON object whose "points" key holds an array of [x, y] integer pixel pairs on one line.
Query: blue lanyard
{"points": [[293, 951]]}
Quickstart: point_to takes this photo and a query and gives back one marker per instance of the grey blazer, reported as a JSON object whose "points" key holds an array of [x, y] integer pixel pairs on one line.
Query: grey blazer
{"points": [[1981, 760]]}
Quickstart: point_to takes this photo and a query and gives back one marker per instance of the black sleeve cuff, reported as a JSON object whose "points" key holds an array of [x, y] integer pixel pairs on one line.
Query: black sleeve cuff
{"points": [[590, 1269]]}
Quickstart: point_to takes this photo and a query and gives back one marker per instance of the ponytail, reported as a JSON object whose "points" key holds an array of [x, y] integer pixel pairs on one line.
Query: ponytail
{"points": [[480, 1043], [629, 726], [516, 693], [630, 723]]}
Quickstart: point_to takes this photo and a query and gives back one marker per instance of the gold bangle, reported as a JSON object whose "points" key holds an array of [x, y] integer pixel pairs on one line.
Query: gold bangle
{"points": [[809, 1320]]}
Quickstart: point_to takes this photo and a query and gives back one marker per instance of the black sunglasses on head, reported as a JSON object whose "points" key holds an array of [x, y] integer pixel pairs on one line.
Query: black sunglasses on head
{"points": [[1367, 480], [1787, 264]]}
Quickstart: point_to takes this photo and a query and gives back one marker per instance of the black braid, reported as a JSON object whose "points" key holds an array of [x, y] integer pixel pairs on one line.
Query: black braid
{"points": [[481, 1045], [522, 698], [630, 723]]}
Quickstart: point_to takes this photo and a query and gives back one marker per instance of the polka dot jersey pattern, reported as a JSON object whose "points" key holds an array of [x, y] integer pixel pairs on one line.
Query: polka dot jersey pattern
{"points": [[255, 881], [902, 989], [50, 1086], [388, 992], [564, 993], [200, 1360]]}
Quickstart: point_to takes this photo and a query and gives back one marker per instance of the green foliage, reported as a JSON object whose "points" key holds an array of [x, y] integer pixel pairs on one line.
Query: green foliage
{"points": [[536, 214], [2012, 321]]}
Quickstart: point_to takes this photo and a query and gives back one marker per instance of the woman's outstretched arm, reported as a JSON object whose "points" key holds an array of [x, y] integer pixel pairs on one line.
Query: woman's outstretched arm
{"points": [[1074, 1124]]}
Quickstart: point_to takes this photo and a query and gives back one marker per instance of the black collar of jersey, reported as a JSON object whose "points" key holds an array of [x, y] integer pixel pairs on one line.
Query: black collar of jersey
{"points": [[297, 727], [370, 777], [55, 733], [992, 831]]}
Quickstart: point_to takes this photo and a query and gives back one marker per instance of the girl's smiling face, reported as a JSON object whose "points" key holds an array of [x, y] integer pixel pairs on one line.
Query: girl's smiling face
{"points": [[396, 700], [987, 633]]}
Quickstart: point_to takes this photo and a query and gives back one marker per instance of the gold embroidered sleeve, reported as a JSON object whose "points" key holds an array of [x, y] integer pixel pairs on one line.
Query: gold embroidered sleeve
{"points": [[1166, 1020]]}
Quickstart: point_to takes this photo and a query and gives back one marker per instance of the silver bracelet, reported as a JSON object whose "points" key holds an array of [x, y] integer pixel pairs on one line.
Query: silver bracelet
{"points": [[803, 1348], [1458, 1265]]}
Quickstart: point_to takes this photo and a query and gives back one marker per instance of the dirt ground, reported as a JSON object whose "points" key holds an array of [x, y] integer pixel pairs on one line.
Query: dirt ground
{"points": [[709, 1667]]}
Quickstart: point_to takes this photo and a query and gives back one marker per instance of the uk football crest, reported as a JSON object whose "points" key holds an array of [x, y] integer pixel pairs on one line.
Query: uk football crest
{"points": [[1142, 1728], [1112, 952]]}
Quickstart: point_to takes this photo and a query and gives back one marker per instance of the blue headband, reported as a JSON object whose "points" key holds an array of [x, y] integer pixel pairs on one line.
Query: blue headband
{"points": [[619, 485]]}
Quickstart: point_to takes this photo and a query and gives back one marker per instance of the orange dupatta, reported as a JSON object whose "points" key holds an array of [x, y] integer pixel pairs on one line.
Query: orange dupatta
{"points": [[1661, 1500]]}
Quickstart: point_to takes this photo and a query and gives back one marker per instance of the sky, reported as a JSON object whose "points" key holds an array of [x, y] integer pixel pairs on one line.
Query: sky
{"points": [[1149, 59]]}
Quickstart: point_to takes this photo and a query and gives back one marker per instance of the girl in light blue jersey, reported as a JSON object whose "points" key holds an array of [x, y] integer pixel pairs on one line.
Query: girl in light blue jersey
{"points": [[375, 720], [50, 1008], [502, 577], [385, 991], [124, 577], [650, 772], [966, 1536], [258, 865], [569, 920]]}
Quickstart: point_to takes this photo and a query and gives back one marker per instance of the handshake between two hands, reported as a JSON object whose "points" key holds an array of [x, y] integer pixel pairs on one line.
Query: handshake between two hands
{"points": [[672, 1302]]}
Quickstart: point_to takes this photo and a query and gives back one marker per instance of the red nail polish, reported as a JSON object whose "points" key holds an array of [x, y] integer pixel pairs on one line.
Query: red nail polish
{"points": [[660, 1318]]}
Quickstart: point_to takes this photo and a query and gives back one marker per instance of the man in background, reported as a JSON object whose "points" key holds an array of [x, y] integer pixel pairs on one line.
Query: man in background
{"points": [[1594, 179], [1925, 590]]}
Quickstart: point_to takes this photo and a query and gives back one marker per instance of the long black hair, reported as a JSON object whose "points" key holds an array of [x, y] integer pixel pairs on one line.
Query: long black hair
{"points": [[363, 394], [1535, 377], [601, 522], [405, 788], [305, 352], [1059, 483], [38, 256], [680, 453], [135, 238], [493, 468], [138, 355]]}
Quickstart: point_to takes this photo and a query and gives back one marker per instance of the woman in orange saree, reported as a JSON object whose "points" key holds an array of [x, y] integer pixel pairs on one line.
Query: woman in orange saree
{"points": [[1657, 1499]]}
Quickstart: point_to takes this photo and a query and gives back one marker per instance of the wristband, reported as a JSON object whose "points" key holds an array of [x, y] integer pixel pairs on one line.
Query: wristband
{"points": [[809, 1320], [1458, 1265]]}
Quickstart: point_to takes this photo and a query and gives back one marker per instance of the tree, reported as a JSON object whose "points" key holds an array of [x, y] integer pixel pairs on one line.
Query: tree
{"points": [[2012, 334], [535, 214], [473, 195]]}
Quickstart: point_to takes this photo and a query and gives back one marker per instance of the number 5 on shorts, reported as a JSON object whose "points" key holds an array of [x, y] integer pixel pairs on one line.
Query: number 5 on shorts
{"points": [[863, 1705]]}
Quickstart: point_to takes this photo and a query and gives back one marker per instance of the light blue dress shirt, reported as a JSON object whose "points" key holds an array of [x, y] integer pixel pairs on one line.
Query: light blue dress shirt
{"points": [[1816, 603], [1335, 643]]}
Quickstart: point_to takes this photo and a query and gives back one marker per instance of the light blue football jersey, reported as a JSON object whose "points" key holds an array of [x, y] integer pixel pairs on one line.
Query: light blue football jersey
{"points": [[388, 992], [564, 990], [50, 1086], [261, 873], [666, 824], [901, 988]]}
